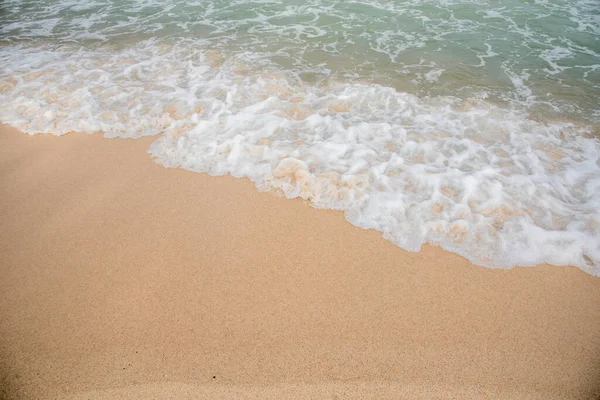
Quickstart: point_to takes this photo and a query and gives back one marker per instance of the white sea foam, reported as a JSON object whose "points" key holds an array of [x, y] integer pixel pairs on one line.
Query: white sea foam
{"points": [[434, 75], [485, 181], [443, 150]]}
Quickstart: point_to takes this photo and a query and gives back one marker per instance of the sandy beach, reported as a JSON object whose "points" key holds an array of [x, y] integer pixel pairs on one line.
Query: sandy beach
{"points": [[124, 279]]}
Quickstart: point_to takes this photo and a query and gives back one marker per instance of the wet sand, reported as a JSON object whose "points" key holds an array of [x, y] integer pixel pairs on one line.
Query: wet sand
{"points": [[124, 279]]}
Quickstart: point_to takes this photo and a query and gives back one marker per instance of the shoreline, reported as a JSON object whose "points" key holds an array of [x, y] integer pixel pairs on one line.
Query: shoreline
{"points": [[123, 278]]}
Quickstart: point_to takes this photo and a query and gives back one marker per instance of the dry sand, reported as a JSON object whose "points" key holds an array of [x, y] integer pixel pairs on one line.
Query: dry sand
{"points": [[124, 279]]}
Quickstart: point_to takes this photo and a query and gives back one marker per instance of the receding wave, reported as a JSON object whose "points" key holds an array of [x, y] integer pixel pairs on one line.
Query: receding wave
{"points": [[494, 183]]}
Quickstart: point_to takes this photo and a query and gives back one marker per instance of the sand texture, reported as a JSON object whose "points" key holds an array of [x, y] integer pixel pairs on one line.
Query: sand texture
{"points": [[124, 279]]}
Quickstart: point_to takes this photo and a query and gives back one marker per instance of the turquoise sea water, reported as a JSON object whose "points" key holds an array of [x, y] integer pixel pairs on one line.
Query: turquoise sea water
{"points": [[471, 124]]}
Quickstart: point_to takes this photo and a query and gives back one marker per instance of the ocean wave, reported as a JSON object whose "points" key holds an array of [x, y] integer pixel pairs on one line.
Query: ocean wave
{"points": [[484, 180]]}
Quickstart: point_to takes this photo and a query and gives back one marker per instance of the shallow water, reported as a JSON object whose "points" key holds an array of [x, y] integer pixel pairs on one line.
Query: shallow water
{"points": [[473, 125]]}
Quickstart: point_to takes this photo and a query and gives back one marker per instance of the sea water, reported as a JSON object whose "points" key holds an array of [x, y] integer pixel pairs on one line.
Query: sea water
{"points": [[469, 124]]}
